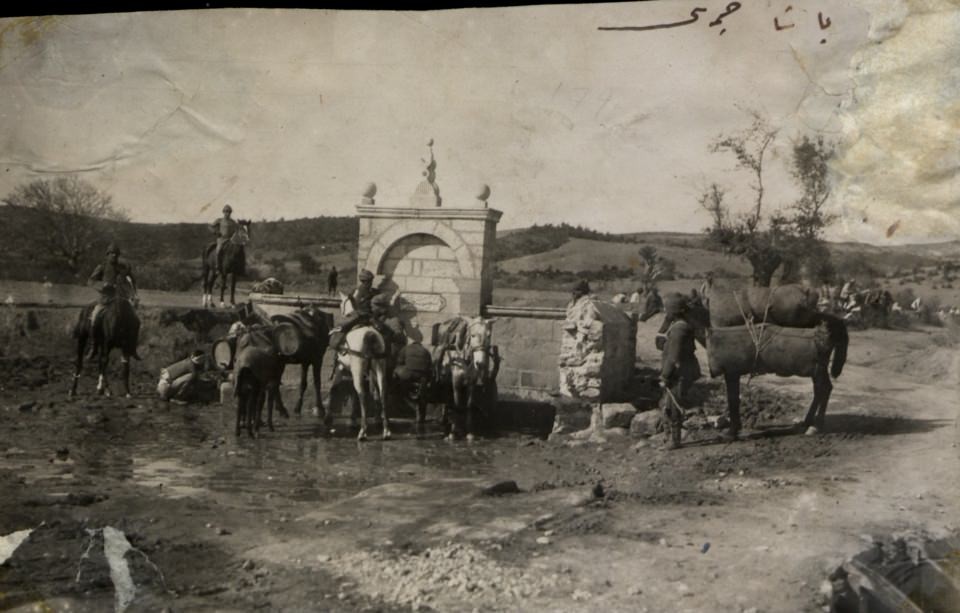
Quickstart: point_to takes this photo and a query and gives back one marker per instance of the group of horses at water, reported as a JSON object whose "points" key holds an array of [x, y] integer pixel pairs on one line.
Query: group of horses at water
{"points": [[746, 332], [365, 356]]}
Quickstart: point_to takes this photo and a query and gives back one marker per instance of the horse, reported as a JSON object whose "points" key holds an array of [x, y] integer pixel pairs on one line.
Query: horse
{"points": [[232, 262], [313, 330], [363, 353], [818, 352], [257, 369], [471, 363], [117, 326]]}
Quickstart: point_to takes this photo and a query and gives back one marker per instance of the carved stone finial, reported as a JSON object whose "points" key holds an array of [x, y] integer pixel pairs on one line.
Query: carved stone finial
{"points": [[427, 193], [368, 193], [483, 194]]}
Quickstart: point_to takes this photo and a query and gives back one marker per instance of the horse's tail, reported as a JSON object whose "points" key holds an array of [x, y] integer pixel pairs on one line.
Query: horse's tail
{"points": [[840, 340]]}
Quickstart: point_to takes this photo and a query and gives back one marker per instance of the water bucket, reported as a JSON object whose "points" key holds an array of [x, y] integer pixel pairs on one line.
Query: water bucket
{"points": [[287, 339], [222, 352]]}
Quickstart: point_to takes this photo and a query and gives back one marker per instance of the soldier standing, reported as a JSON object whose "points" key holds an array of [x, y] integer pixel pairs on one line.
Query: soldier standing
{"points": [[679, 368], [332, 280]]}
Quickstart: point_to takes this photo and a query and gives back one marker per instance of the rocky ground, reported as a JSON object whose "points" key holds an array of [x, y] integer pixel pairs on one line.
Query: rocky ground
{"points": [[302, 519]]}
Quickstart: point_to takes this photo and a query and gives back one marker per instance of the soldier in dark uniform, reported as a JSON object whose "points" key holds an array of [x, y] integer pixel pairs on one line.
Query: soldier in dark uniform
{"points": [[116, 280], [224, 229], [679, 368], [361, 299], [412, 373]]}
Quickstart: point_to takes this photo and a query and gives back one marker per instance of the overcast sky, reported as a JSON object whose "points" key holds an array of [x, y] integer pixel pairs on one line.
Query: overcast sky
{"points": [[292, 113]]}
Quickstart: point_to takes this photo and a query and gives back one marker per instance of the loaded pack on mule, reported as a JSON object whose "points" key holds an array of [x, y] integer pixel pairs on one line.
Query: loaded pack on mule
{"points": [[466, 362], [111, 323], [258, 349], [756, 331]]}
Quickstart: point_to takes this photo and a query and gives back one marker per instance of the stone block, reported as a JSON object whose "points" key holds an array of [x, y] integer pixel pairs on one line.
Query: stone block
{"points": [[467, 224], [646, 423], [418, 284], [436, 268], [423, 252]]}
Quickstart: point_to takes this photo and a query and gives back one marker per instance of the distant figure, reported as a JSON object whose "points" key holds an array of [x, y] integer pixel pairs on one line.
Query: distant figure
{"points": [[636, 296], [332, 281], [178, 382], [619, 298], [897, 308], [707, 284], [917, 304], [224, 228]]}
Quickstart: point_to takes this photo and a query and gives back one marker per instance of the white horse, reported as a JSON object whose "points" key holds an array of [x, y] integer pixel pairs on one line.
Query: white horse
{"points": [[472, 364], [363, 354]]}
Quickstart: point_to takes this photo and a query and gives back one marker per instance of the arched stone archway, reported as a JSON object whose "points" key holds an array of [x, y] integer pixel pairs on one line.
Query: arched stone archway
{"points": [[440, 259], [408, 233]]}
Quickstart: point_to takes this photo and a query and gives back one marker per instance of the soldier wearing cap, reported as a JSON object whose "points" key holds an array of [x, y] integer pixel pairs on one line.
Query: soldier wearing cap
{"points": [[679, 367], [224, 228], [116, 279], [361, 299]]}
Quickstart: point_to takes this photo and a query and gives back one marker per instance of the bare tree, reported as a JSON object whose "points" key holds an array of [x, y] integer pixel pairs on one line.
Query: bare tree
{"points": [[771, 239], [71, 212]]}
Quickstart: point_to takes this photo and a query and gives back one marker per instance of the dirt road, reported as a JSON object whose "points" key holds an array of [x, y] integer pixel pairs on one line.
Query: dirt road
{"points": [[302, 520]]}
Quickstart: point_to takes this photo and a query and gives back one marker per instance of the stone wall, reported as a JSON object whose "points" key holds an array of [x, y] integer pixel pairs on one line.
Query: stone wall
{"points": [[529, 350]]}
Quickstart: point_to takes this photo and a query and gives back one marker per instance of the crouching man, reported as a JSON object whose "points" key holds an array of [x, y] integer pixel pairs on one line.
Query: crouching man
{"points": [[179, 381], [412, 374], [679, 368]]}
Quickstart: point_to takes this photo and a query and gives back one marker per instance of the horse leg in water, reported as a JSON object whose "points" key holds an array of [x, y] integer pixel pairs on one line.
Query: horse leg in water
{"points": [[456, 382], [103, 385], [318, 409], [380, 374], [223, 287], [233, 289], [125, 360], [471, 393], [303, 387], [733, 403], [82, 336], [358, 371]]}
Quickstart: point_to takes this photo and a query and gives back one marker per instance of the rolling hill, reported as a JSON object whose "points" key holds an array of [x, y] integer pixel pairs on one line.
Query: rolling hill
{"points": [[299, 251]]}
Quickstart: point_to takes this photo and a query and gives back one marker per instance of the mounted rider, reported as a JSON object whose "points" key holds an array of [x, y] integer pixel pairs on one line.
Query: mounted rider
{"points": [[116, 279], [224, 228], [679, 368], [361, 300]]}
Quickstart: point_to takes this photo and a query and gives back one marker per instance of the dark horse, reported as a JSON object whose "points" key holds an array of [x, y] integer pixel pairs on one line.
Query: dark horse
{"points": [[818, 352], [232, 262], [117, 327], [312, 326]]}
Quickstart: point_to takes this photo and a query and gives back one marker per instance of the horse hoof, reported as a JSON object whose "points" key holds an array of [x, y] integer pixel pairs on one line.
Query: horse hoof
{"points": [[470, 438], [811, 431], [387, 435], [362, 436], [128, 395]]}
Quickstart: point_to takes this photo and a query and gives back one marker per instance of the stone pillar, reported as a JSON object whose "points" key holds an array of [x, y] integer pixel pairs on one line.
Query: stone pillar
{"points": [[597, 351]]}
